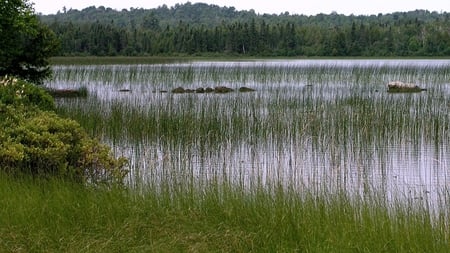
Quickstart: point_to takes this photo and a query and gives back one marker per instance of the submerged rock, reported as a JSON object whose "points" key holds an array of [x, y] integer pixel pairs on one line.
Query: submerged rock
{"points": [[218, 89], [398, 87], [246, 89], [209, 90], [179, 90], [222, 89], [200, 90]]}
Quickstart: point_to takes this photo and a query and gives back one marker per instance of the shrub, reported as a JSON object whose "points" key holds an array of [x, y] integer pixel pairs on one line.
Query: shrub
{"points": [[42, 144], [34, 140], [17, 92]]}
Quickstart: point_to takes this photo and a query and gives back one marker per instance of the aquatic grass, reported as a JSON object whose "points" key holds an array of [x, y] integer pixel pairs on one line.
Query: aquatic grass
{"points": [[164, 77], [313, 123]]}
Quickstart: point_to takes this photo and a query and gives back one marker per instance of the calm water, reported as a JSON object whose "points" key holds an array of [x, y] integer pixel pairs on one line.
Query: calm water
{"points": [[315, 124]]}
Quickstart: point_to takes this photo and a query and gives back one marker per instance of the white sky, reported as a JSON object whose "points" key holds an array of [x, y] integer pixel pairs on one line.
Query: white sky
{"points": [[307, 7]]}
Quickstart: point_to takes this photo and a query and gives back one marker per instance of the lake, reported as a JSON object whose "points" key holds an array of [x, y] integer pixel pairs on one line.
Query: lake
{"points": [[314, 125]]}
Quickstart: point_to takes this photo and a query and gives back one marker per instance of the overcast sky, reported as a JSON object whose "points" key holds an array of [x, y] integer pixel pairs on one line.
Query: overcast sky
{"points": [[307, 7]]}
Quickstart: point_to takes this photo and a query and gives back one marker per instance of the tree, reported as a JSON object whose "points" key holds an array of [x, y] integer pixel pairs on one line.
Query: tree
{"points": [[150, 22], [26, 44]]}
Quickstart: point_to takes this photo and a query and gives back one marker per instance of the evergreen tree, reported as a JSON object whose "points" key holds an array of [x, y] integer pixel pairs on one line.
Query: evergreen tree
{"points": [[26, 44], [196, 29]]}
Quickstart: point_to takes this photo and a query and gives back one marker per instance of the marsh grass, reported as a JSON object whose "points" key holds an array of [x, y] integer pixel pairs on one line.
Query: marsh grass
{"points": [[308, 120], [320, 158], [56, 216], [256, 117]]}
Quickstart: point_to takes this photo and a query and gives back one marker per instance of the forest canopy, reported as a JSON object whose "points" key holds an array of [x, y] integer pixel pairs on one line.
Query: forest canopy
{"points": [[202, 29]]}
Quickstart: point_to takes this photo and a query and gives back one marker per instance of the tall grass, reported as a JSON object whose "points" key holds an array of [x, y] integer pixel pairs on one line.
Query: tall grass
{"points": [[323, 124], [56, 216]]}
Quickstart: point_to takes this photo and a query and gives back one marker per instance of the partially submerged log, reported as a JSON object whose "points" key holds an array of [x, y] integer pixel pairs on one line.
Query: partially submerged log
{"points": [[401, 87], [68, 93]]}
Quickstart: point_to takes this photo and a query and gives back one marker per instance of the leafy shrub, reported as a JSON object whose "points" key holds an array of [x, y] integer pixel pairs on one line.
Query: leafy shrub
{"points": [[34, 140], [42, 144], [17, 92]]}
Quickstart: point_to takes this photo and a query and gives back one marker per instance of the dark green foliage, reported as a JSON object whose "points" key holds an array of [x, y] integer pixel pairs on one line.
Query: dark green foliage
{"points": [[26, 44], [35, 141], [200, 29]]}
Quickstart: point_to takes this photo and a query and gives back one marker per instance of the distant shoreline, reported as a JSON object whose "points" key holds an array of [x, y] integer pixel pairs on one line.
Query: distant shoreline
{"points": [[88, 60]]}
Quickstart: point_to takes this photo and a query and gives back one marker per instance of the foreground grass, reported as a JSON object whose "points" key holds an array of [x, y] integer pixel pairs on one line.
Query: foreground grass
{"points": [[39, 216]]}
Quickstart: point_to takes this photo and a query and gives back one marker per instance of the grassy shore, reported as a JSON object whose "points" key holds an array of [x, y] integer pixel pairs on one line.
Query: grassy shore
{"points": [[56, 216]]}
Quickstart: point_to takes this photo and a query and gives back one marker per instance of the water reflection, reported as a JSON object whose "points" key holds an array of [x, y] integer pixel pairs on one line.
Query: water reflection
{"points": [[403, 170]]}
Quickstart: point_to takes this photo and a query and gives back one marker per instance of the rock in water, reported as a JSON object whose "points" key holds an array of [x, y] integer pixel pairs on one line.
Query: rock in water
{"points": [[398, 87], [222, 89], [246, 89], [179, 90]]}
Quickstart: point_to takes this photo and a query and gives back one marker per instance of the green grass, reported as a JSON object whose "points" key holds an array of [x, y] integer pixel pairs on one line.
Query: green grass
{"points": [[205, 168], [56, 216]]}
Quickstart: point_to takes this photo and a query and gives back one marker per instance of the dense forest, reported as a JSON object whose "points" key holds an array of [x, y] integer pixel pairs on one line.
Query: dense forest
{"points": [[202, 29]]}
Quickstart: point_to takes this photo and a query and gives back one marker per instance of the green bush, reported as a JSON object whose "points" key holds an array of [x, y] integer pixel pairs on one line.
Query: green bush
{"points": [[36, 141], [41, 143], [18, 92]]}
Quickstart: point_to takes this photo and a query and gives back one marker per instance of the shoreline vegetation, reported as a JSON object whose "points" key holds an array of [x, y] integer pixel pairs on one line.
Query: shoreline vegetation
{"points": [[180, 214], [59, 216]]}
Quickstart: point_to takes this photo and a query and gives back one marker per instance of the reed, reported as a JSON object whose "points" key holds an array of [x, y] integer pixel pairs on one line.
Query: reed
{"points": [[321, 124]]}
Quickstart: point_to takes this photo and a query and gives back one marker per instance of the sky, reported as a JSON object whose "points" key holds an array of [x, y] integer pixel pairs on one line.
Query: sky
{"points": [[306, 7]]}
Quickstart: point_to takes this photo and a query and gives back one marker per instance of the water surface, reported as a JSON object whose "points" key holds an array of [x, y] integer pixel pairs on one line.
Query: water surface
{"points": [[322, 125]]}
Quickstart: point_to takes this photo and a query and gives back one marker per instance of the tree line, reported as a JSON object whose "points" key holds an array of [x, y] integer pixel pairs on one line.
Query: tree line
{"points": [[418, 33]]}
